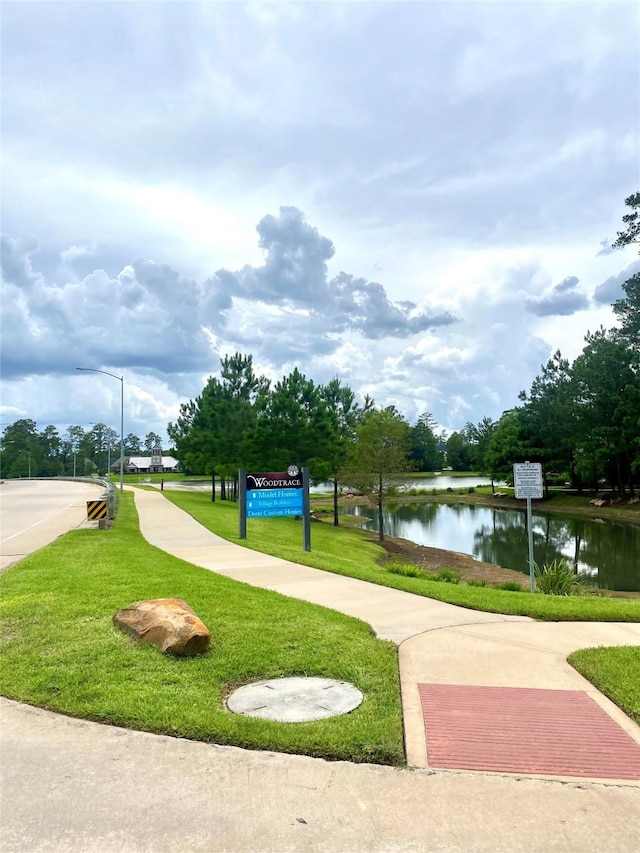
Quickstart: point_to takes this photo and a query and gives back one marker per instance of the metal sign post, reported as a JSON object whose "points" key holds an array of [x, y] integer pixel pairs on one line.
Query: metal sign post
{"points": [[306, 516], [527, 480], [242, 479]]}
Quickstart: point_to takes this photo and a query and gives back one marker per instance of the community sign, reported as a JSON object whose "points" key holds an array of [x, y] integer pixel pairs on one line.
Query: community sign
{"points": [[276, 494]]}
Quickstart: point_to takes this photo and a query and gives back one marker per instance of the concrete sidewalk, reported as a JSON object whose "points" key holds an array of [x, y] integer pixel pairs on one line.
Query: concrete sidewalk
{"points": [[438, 642]]}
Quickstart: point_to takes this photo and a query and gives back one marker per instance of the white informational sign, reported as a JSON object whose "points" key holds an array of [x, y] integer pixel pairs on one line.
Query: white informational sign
{"points": [[527, 480]]}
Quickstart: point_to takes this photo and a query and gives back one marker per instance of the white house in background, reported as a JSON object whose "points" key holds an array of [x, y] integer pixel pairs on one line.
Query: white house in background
{"points": [[154, 464]]}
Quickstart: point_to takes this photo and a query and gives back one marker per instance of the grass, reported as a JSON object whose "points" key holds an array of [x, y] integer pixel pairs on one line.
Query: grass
{"points": [[615, 672], [352, 553], [60, 650]]}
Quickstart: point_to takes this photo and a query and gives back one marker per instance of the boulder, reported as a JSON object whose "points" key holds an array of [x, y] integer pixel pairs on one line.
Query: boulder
{"points": [[168, 623]]}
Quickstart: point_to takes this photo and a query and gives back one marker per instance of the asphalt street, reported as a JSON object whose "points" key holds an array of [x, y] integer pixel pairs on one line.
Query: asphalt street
{"points": [[35, 512]]}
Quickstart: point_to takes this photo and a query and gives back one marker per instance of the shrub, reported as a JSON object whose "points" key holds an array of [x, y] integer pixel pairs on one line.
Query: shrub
{"points": [[447, 576], [556, 578], [471, 490], [510, 586], [406, 570], [477, 582]]}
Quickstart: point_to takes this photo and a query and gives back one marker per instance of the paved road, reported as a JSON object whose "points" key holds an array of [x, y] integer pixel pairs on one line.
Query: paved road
{"points": [[35, 512]]}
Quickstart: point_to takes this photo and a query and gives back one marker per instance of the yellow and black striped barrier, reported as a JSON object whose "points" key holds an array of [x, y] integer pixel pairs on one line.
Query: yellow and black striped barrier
{"points": [[96, 509]]}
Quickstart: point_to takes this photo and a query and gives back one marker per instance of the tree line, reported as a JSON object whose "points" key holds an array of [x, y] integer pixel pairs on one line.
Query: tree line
{"points": [[27, 452]]}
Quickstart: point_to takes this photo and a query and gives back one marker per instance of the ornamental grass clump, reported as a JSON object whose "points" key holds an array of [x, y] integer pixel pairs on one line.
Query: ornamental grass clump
{"points": [[447, 576], [406, 570], [557, 578]]}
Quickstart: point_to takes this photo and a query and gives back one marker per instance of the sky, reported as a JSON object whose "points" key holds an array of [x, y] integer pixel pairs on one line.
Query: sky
{"points": [[418, 198]]}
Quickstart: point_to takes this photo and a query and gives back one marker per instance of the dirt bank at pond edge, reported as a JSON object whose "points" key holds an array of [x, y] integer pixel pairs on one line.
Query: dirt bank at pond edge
{"points": [[432, 560]]}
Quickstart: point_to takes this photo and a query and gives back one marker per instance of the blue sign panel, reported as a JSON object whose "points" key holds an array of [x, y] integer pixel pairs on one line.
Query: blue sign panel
{"points": [[270, 503]]}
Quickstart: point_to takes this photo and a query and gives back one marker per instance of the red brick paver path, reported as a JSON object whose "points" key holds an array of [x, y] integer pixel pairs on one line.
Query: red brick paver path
{"points": [[525, 730]]}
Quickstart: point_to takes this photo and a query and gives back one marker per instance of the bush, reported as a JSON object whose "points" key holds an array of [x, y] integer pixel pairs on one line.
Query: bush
{"points": [[406, 570], [556, 578], [447, 576], [510, 586], [477, 582]]}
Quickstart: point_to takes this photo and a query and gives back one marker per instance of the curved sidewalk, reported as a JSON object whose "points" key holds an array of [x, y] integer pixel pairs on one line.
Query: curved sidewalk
{"points": [[439, 643]]}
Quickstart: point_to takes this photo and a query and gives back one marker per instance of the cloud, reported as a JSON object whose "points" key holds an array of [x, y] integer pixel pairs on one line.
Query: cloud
{"points": [[562, 300], [145, 317], [150, 317], [294, 276], [611, 289], [605, 248]]}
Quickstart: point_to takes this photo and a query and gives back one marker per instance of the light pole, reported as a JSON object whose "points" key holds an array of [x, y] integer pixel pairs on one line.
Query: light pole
{"points": [[121, 380]]}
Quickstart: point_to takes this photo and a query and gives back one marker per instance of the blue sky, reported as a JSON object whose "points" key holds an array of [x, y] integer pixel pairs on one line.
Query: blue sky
{"points": [[416, 197]]}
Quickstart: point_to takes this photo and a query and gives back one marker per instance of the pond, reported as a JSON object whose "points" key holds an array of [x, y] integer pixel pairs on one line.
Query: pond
{"points": [[607, 553]]}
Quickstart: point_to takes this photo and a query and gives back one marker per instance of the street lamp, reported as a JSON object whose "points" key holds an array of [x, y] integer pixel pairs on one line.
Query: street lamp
{"points": [[121, 380]]}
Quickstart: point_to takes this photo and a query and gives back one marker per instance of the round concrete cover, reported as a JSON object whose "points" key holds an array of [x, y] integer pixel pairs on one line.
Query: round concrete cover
{"points": [[295, 700]]}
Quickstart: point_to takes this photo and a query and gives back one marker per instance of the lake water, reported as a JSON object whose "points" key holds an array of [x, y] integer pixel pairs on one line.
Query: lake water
{"points": [[607, 553]]}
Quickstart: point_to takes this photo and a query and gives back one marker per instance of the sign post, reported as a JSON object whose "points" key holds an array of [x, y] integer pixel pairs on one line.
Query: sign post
{"points": [[527, 480], [275, 494]]}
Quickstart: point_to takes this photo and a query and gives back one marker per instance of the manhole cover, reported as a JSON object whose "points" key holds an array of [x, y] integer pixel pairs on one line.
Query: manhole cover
{"points": [[295, 700]]}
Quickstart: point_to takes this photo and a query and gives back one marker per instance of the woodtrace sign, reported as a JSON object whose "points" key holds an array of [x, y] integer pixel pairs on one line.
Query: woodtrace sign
{"points": [[275, 494]]}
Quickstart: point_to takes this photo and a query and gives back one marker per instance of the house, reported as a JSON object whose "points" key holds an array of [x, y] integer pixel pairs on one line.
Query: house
{"points": [[156, 463]]}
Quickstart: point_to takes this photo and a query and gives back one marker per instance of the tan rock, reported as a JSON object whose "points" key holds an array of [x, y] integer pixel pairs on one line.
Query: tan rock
{"points": [[168, 623]]}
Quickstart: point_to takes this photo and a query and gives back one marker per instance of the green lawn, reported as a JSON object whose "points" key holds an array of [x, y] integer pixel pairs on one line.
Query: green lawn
{"points": [[350, 552], [615, 672], [60, 650]]}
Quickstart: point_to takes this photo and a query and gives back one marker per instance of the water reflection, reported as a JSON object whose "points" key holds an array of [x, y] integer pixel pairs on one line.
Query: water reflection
{"points": [[609, 554]]}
